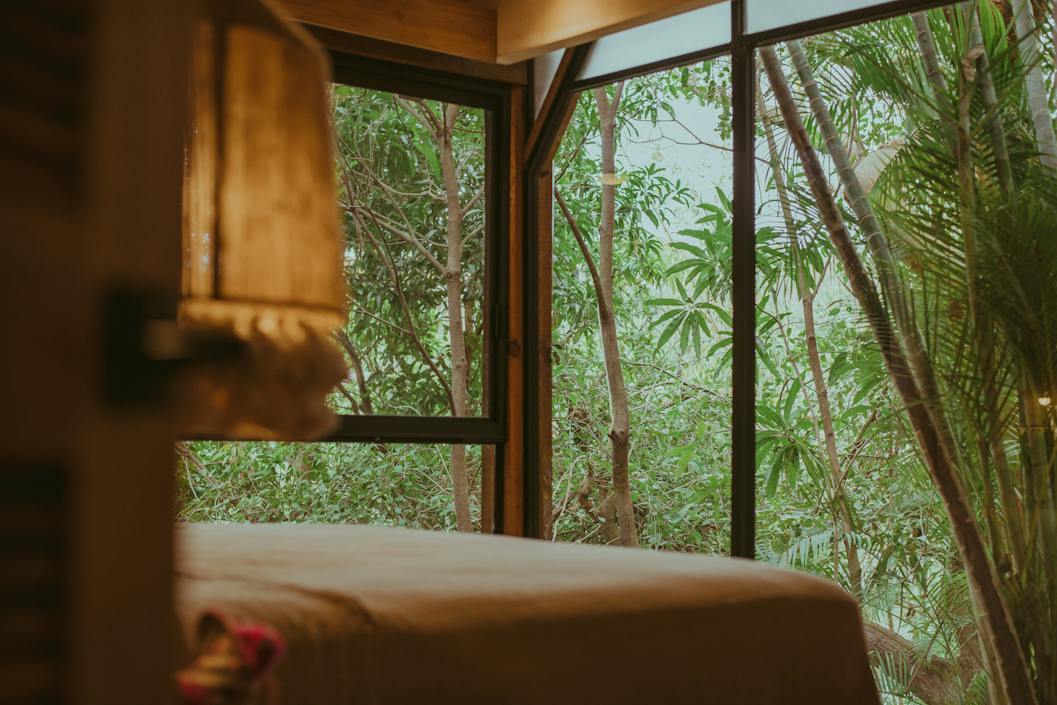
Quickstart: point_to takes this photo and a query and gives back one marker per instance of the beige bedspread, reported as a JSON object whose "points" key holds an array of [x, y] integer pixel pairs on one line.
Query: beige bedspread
{"points": [[393, 616]]}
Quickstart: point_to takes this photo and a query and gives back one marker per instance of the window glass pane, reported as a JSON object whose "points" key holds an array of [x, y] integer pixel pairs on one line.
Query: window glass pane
{"points": [[544, 69], [667, 256], [844, 489], [770, 14], [357, 483], [665, 39], [411, 177]]}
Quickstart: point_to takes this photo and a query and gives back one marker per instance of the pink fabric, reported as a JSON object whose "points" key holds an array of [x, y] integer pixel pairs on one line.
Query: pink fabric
{"points": [[233, 662]]}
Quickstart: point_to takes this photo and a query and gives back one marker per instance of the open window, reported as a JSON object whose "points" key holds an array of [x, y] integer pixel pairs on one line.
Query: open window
{"points": [[422, 159], [421, 174]]}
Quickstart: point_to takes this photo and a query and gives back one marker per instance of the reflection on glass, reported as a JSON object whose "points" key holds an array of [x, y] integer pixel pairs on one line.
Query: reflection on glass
{"points": [[544, 69], [664, 39], [769, 14]]}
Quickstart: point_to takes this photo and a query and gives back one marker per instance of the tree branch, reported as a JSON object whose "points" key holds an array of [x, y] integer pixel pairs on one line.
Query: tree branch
{"points": [[405, 309], [595, 277], [427, 120]]}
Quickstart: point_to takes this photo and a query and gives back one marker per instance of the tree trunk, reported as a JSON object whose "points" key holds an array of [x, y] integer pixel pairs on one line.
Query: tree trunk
{"points": [[620, 424], [1034, 85], [990, 99], [618, 499], [839, 498], [934, 681], [930, 58], [456, 335], [366, 405], [877, 244], [891, 288], [996, 623], [995, 447]]}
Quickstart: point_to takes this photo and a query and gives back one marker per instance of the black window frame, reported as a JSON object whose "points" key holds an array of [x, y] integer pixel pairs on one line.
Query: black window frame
{"points": [[495, 99], [742, 49]]}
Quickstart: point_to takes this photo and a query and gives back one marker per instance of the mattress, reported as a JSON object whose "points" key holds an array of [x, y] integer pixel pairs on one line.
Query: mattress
{"points": [[394, 616]]}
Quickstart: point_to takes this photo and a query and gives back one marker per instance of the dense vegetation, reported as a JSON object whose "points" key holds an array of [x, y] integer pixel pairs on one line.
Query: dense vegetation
{"points": [[907, 290]]}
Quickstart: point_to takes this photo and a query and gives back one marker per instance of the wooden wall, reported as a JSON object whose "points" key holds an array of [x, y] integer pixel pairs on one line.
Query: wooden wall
{"points": [[459, 27]]}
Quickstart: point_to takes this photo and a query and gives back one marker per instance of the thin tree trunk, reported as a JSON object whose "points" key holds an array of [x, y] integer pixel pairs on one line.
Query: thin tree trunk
{"points": [[619, 498], [996, 623], [993, 431], [1012, 513], [366, 405], [877, 243], [1035, 86], [620, 423], [609, 504], [989, 96], [994, 427], [456, 335], [381, 250], [934, 680], [930, 58], [892, 290], [807, 301], [1053, 35], [1041, 509]]}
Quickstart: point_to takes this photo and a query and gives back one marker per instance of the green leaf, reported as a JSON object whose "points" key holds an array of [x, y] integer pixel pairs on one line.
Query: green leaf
{"points": [[773, 475], [669, 331]]}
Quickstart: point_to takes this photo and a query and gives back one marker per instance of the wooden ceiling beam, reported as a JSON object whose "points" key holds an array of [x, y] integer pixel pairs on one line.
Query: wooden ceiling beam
{"points": [[495, 31], [528, 28], [465, 28]]}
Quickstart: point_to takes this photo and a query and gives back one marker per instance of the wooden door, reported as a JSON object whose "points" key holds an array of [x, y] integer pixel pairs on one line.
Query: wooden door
{"points": [[91, 130]]}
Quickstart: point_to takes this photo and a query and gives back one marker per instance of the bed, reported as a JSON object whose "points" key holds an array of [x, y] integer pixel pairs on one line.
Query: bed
{"points": [[387, 616]]}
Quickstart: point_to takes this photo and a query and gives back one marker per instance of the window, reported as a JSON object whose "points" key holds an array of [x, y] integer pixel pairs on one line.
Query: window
{"points": [[421, 159], [860, 203], [420, 171], [843, 486], [761, 399], [642, 184]]}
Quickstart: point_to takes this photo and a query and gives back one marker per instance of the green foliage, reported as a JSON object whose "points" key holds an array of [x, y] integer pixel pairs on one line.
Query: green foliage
{"points": [[396, 485]]}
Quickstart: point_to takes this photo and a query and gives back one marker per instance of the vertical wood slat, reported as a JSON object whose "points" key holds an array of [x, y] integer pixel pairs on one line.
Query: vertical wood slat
{"points": [[542, 143], [123, 637], [544, 351], [43, 93], [514, 449], [34, 568]]}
